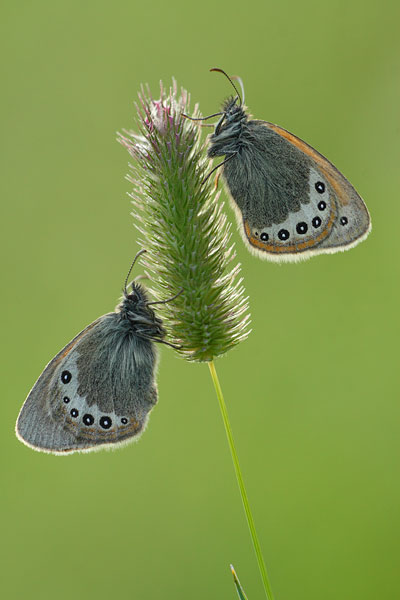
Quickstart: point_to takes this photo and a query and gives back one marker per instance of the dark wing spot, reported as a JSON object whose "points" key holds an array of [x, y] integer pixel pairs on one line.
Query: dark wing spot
{"points": [[316, 222], [88, 419], [283, 234], [105, 422], [66, 376], [302, 227]]}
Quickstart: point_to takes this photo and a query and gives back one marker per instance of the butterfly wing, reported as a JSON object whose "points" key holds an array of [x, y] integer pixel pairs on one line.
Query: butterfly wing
{"points": [[97, 392], [291, 202]]}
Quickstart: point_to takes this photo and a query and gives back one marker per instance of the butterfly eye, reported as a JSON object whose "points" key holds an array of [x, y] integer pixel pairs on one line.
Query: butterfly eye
{"points": [[133, 296]]}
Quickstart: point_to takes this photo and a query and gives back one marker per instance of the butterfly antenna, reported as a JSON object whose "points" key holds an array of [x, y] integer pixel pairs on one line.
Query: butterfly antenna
{"points": [[239, 79], [166, 301], [130, 269], [231, 82]]}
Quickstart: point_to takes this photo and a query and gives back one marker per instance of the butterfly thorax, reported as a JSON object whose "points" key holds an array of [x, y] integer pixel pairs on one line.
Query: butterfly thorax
{"points": [[226, 138], [143, 322]]}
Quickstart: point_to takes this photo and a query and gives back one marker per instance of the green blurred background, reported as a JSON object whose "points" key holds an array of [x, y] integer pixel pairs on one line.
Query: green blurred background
{"points": [[312, 394]]}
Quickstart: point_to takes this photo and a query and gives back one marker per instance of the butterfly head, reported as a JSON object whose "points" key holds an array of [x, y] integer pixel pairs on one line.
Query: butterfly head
{"points": [[226, 137], [233, 111], [233, 116], [135, 308]]}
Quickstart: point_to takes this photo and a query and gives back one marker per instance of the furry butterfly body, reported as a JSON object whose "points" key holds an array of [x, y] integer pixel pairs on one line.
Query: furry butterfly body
{"points": [[99, 389], [290, 201]]}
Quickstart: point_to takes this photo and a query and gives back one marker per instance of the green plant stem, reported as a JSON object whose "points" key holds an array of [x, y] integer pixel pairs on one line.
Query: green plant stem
{"points": [[243, 493]]}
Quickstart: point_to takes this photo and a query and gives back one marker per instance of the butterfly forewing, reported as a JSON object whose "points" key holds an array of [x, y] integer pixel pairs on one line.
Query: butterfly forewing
{"points": [[97, 391]]}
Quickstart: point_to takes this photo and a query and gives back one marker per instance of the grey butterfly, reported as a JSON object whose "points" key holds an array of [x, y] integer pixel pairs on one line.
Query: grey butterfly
{"points": [[98, 391], [290, 201]]}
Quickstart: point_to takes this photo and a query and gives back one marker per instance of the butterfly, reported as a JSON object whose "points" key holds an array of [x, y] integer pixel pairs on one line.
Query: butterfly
{"points": [[291, 203], [99, 389]]}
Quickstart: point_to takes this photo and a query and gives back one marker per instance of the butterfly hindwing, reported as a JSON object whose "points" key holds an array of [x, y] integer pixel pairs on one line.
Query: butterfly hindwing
{"points": [[328, 217], [97, 391]]}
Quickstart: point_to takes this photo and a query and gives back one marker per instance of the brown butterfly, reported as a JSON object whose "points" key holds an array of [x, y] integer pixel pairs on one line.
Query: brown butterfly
{"points": [[290, 201]]}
